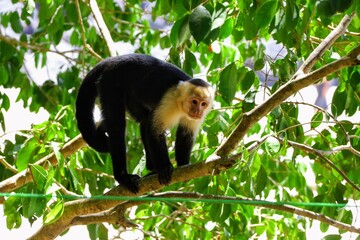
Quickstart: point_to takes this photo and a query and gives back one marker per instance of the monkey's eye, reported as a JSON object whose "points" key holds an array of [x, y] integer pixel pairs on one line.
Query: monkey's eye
{"points": [[194, 102], [204, 104]]}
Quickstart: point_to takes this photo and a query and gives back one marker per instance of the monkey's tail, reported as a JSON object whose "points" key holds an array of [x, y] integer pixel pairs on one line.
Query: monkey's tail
{"points": [[94, 134]]}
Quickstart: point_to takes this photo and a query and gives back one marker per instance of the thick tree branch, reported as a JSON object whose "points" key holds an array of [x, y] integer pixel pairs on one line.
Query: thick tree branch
{"points": [[116, 214], [82, 207], [20, 179], [298, 82]]}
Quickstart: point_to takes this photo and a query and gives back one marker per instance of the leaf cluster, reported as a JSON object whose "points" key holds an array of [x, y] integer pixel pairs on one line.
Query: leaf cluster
{"points": [[248, 50]]}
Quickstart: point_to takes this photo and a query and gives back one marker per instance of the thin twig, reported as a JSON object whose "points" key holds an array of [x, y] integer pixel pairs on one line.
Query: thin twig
{"points": [[87, 46], [7, 165], [325, 45], [319, 154], [40, 48]]}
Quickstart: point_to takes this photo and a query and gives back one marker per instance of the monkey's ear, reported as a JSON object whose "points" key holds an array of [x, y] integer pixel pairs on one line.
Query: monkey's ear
{"points": [[181, 82]]}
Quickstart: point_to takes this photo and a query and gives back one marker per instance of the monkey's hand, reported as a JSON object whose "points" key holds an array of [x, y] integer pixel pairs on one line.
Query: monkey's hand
{"points": [[165, 174], [130, 181]]}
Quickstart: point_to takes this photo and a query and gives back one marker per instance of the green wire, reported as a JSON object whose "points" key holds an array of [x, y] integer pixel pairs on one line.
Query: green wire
{"points": [[165, 199]]}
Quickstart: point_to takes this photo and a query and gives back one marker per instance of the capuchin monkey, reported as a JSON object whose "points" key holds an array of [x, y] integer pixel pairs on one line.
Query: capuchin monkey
{"points": [[158, 95]]}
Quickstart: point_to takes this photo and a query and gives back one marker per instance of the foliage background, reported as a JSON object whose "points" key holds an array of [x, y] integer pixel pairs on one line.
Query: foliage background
{"points": [[226, 42]]}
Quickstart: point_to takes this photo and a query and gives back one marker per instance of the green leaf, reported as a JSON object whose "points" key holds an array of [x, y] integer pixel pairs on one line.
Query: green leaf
{"points": [[15, 22], [11, 210], [13, 220], [250, 28], [316, 120], [351, 104], [40, 175], [200, 23], [75, 38], [332, 237], [190, 58], [338, 102], [255, 164], [220, 212], [228, 82], [272, 146], [26, 153], [102, 232], [5, 102], [55, 213], [180, 32], [4, 76], [2, 121], [325, 8], [259, 58], [261, 180], [265, 13], [227, 28], [247, 81]]}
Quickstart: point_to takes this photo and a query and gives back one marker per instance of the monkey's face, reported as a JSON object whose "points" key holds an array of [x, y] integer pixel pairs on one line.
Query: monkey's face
{"points": [[196, 108], [195, 101]]}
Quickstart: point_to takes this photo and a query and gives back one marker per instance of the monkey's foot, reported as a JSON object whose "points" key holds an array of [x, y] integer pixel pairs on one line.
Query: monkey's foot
{"points": [[131, 182], [165, 174]]}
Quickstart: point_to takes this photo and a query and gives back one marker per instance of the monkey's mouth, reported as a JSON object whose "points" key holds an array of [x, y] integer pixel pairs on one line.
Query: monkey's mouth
{"points": [[194, 116]]}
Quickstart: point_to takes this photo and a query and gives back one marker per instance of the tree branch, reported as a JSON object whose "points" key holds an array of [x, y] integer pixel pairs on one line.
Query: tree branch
{"points": [[325, 45], [318, 153], [102, 27], [20, 179], [7, 165], [298, 82], [116, 214], [150, 183], [87, 46], [265, 204], [40, 48], [347, 147]]}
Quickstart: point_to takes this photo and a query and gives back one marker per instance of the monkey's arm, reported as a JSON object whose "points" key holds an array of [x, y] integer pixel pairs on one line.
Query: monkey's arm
{"points": [[183, 145]]}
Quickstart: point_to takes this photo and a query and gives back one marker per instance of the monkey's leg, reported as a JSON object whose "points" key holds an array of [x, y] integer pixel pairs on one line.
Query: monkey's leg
{"points": [[113, 109], [183, 145], [149, 161], [156, 145]]}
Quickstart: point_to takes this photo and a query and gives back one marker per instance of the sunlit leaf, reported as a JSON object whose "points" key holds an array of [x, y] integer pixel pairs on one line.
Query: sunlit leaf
{"points": [[55, 213], [265, 13], [228, 82], [316, 119]]}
